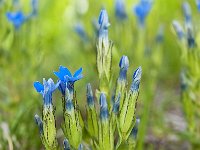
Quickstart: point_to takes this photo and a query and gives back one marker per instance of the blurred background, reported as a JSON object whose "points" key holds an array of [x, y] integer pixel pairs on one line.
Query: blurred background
{"points": [[53, 33]]}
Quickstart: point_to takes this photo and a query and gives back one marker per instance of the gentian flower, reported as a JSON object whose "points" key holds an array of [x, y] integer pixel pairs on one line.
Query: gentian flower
{"points": [[141, 10], [66, 144], [90, 98], [135, 129], [79, 29], [17, 18], [104, 114], [34, 5], [116, 104], [66, 77], [123, 64], [103, 27], [198, 4], [136, 79], [187, 12], [120, 11], [46, 90]]}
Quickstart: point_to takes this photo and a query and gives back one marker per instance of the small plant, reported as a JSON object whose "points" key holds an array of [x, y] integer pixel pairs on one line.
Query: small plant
{"points": [[109, 124]]}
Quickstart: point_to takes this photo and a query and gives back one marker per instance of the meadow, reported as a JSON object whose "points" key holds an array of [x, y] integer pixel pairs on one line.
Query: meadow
{"points": [[94, 74]]}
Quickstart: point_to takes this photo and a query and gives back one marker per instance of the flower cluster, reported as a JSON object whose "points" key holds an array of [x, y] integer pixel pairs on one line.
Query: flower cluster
{"points": [[103, 119]]}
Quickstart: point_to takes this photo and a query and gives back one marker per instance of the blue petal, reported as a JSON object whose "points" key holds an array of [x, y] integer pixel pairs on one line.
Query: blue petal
{"points": [[78, 72], [65, 71], [38, 86], [59, 75]]}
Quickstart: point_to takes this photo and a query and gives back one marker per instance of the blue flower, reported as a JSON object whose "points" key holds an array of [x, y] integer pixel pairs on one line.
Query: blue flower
{"points": [[34, 5], [134, 131], [136, 79], [90, 98], [120, 11], [66, 77], [104, 114], [103, 25], [116, 104], [17, 18], [66, 144], [123, 64], [79, 29], [141, 10], [187, 12], [46, 90], [198, 4]]}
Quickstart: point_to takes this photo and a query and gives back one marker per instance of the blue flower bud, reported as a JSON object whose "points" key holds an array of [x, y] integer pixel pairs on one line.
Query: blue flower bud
{"points": [[34, 4], [116, 104], [103, 107], [178, 29], [80, 31], [103, 27], [120, 11], [39, 123], [141, 10], [136, 79], [123, 64], [90, 98], [69, 98], [187, 11], [135, 129], [46, 90], [198, 4], [66, 144]]}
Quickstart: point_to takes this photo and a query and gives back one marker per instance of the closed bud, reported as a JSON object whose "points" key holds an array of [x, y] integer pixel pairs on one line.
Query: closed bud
{"points": [[90, 98], [103, 108], [178, 29], [39, 123], [66, 144]]}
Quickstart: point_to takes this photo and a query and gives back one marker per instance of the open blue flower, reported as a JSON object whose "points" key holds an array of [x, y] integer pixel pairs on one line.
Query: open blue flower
{"points": [[141, 10], [120, 11], [17, 18], [46, 90], [65, 76]]}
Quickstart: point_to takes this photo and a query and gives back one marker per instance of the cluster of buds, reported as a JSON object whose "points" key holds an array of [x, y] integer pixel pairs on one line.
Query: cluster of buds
{"points": [[119, 117], [190, 75]]}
